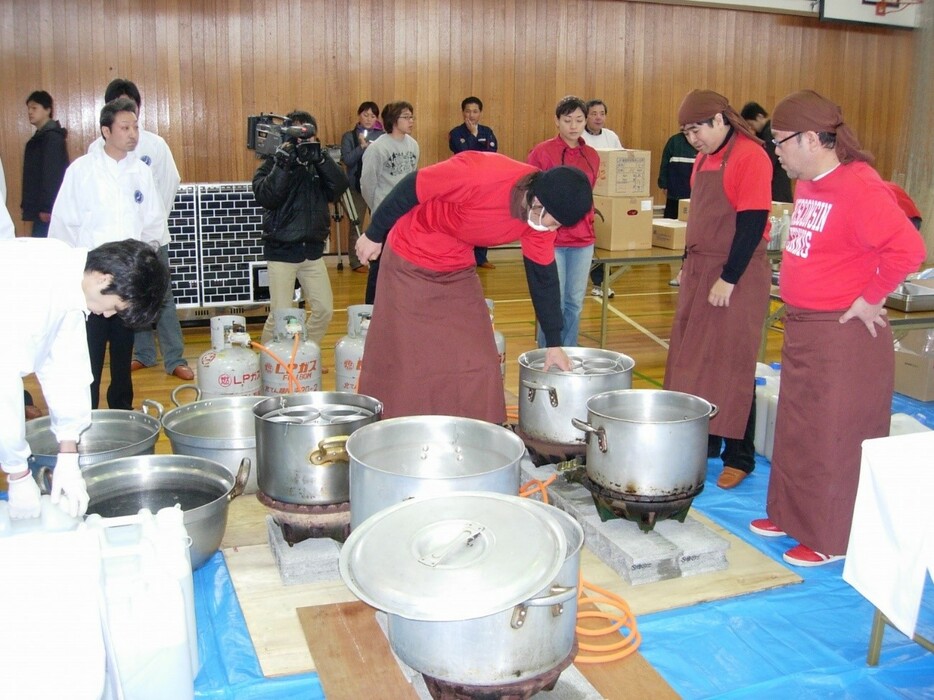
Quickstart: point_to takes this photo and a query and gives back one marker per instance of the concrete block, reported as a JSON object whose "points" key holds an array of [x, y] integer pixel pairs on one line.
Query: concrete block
{"points": [[315, 559]]}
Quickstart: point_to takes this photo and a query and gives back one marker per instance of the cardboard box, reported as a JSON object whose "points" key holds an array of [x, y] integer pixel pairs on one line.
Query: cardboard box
{"points": [[914, 375], [669, 233], [684, 205], [623, 173], [623, 223], [919, 342]]}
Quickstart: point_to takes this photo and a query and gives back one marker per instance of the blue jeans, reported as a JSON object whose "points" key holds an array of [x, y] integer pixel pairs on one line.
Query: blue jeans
{"points": [[573, 278], [168, 329], [40, 229]]}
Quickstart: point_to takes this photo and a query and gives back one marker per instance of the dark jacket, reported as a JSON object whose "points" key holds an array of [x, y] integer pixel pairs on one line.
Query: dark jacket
{"points": [[44, 164], [781, 185], [296, 217], [352, 153]]}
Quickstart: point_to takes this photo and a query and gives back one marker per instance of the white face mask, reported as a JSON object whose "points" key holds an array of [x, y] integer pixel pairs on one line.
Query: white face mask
{"points": [[537, 226]]}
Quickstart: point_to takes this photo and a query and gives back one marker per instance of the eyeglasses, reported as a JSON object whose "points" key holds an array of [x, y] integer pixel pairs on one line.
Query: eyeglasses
{"points": [[406, 116], [777, 143]]}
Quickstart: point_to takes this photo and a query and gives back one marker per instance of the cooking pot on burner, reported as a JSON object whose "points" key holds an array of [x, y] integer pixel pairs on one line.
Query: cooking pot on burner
{"points": [[401, 458], [480, 588], [647, 442], [300, 442], [549, 400]]}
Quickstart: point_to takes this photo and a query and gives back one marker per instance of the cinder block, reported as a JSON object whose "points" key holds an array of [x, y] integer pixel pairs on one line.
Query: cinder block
{"points": [[310, 561]]}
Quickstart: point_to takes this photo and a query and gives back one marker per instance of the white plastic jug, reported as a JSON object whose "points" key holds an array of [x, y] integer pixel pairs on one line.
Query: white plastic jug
{"points": [[148, 595], [766, 387], [903, 424], [51, 519], [770, 425]]}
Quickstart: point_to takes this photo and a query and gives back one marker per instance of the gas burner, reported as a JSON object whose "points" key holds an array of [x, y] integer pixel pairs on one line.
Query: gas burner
{"points": [[643, 510], [301, 522], [544, 452], [521, 690]]}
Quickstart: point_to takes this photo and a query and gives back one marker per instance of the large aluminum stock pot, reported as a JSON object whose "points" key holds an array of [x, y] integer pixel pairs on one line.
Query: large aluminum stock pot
{"points": [[400, 458], [300, 441], [114, 433], [647, 442], [202, 488], [480, 588], [549, 400], [221, 429]]}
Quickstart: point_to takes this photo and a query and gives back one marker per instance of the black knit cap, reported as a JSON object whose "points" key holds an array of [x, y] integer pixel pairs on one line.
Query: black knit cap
{"points": [[565, 192]]}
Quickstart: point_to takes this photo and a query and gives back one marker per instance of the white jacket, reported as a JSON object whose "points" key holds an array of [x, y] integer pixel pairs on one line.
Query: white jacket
{"points": [[44, 332], [152, 150], [103, 200]]}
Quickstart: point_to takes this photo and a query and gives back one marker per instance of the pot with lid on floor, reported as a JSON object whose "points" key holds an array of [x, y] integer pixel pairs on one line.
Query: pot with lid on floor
{"points": [[480, 588]]}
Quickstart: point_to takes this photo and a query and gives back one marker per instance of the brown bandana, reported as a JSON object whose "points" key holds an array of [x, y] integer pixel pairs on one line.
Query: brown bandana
{"points": [[805, 110], [701, 105]]}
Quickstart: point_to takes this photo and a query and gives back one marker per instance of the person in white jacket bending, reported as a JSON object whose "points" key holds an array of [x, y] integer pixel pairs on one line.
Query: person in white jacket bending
{"points": [[109, 195], [45, 333]]}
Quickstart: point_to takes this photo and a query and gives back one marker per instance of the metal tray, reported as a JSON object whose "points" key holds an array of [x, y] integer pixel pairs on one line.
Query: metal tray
{"points": [[910, 302]]}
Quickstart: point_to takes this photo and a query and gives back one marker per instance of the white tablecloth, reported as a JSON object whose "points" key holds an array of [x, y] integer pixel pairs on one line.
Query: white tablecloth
{"points": [[891, 547]]}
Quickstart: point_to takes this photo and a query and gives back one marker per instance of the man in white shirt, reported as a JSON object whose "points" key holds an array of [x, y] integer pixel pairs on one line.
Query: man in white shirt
{"points": [[45, 333], [155, 152], [595, 133], [109, 195]]}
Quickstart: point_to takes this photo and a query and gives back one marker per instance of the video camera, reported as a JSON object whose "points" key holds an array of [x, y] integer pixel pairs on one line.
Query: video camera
{"points": [[266, 132]]}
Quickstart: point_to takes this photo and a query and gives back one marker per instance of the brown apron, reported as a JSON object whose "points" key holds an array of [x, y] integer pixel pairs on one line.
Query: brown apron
{"points": [[429, 348], [836, 391], [713, 350]]}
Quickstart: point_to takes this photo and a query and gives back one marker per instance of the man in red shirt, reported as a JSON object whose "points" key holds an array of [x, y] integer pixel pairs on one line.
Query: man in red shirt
{"points": [[430, 347], [849, 245], [725, 278]]}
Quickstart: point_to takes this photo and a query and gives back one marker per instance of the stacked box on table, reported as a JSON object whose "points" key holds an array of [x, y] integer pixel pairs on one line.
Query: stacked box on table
{"points": [[623, 172], [684, 207], [669, 233], [623, 223], [914, 375]]}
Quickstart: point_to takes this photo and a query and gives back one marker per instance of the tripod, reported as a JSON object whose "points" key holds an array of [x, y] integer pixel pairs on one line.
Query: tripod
{"points": [[345, 207]]}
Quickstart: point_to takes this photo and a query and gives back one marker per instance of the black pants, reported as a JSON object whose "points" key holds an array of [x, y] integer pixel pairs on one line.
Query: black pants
{"points": [[102, 331], [371, 282], [739, 454], [596, 275]]}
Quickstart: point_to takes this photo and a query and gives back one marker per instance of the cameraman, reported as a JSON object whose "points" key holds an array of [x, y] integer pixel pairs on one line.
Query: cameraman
{"points": [[294, 187]]}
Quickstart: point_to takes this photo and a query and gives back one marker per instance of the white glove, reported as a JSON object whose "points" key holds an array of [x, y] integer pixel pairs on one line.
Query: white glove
{"points": [[69, 491], [24, 497]]}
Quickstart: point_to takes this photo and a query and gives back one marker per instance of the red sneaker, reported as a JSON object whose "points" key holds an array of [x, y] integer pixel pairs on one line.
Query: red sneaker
{"points": [[766, 528], [805, 556]]}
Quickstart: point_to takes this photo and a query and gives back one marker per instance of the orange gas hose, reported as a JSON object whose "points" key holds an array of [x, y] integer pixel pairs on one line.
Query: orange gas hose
{"points": [[278, 359], [512, 413], [295, 343], [623, 619]]}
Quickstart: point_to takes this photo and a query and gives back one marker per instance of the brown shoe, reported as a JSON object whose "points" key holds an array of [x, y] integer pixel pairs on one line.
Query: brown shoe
{"points": [[183, 372], [136, 365], [363, 270], [487, 265], [33, 412], [731, 477]]}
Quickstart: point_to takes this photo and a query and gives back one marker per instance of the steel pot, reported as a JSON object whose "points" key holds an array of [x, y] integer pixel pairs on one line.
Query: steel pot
{"points": [[300, 444], [549, 400], [400, 458], [114, 433], [647, 442], [480, 588], [202, 487], [221, 429]]}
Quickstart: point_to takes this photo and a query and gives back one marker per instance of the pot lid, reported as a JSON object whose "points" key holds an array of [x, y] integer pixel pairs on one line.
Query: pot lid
{"points": [[453, 557]]}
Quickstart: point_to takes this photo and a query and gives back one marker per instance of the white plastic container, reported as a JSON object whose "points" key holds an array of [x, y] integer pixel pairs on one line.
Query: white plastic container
{"points": [[51, 519], [903, 424], [770, 425], [768, 381], [150, 633]]}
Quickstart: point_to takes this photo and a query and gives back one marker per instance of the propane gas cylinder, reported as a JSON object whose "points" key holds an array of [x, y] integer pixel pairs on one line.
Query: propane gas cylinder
{"points": [[303, 357], [348, 353], [500, 341], [229, 368]]}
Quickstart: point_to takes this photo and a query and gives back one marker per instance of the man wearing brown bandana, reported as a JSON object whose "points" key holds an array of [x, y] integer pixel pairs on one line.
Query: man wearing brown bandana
{"points": [[725, 278], [849, 245]]}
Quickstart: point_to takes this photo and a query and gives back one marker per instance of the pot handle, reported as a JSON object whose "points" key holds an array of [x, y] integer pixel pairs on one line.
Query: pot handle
{"points": [[556, 598], [590, 430], [43, 477], [155, 406], [714, 410], [243, 475], [535, 386], [183, 387], [330, 450]]}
